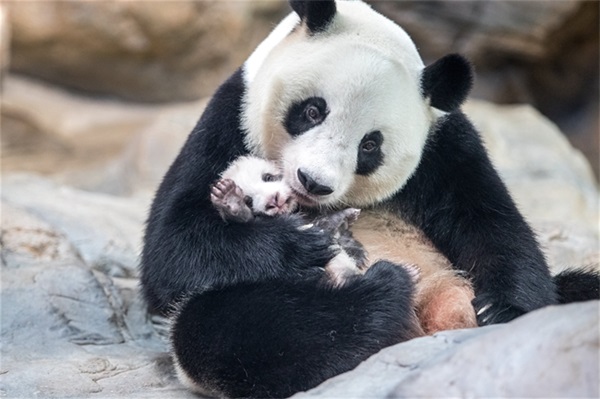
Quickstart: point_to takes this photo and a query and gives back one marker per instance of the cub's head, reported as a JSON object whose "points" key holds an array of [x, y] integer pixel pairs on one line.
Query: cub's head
{"points": [[265, 191], [339, 96]]}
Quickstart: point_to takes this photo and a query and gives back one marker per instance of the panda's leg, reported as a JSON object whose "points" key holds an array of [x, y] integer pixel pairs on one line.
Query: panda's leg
{"points": [[275, 338], [444, 302]]}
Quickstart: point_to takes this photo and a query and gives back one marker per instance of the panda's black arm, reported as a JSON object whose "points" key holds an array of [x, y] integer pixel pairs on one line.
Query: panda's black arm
{"points": [[458, 199], [187, 246]]}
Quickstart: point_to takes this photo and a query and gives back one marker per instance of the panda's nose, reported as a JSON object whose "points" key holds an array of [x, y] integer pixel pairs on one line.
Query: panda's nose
{"points": [[311, 185]]}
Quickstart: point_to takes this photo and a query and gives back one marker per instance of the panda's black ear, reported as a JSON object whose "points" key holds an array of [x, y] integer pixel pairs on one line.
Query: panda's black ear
{"points": [[447, 82], [316, 14]]}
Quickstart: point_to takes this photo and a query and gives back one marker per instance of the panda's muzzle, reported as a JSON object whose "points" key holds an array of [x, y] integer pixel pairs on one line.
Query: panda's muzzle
{"points": [[312, 186]]}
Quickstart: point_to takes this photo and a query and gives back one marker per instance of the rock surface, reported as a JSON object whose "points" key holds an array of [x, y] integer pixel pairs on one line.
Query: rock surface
{"points": [[517, 359], [551, 182], [50, 130], [137, 50], [73, 323]]}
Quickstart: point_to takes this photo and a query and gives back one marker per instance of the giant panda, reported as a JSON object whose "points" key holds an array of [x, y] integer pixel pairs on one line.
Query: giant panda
{"points": [[338, 95]]}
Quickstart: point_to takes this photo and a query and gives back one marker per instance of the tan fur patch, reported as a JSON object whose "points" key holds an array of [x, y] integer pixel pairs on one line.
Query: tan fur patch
{"points": [[443, 299], [444, 302]]}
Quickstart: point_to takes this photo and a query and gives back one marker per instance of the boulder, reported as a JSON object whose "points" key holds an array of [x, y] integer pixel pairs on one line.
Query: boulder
{"points": [[158, 51], [517, 359], [551, 182], [73, 323], [96, 144], [63, 224]]}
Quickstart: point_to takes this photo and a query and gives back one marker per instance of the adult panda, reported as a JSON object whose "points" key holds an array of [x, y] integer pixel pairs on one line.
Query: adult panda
{"points": [[339, 96]]}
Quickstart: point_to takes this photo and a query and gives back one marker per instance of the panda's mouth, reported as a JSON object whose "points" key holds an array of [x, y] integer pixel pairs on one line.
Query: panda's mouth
{"points": [[305, 199]]}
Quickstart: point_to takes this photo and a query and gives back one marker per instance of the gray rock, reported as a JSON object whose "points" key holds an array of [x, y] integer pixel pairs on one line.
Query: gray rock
{"points": [[27, 240], [70, 327], [105, 231], [552, 352], [551, 182], [548, 178]]}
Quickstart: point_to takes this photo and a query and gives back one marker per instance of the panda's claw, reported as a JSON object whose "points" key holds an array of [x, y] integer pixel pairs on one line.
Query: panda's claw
{"points": [[306, 226], [489, 311]]}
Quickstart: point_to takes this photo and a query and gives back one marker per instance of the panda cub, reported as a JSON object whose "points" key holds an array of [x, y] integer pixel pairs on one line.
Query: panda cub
{"points": [[254, 187]]}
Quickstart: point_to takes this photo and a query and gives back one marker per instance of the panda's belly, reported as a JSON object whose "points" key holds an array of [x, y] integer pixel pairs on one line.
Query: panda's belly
{"points": [[385, 236], [442, 297]]}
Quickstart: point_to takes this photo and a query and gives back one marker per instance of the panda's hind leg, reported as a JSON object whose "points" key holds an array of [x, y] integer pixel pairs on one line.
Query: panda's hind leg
{"points": [[444, 302]]}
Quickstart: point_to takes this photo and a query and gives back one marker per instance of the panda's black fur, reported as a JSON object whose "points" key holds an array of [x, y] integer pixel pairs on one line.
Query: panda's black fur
{"points": [[275, 338], [256, 319]]}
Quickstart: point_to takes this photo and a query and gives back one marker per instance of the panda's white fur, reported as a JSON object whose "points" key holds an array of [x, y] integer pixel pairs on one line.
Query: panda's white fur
{"points": [[368, 69]]}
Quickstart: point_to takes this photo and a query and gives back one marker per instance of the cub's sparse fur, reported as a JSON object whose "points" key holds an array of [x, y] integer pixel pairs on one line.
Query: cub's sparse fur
{"points": [[249, 187]]}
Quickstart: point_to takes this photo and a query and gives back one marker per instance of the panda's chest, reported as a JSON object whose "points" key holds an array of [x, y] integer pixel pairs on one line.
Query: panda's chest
{"points": [[385, 236]]}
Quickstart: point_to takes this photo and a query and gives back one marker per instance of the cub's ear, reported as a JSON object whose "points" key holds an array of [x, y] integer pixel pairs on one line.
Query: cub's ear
{"points": [[447, 82], [316, 14]]}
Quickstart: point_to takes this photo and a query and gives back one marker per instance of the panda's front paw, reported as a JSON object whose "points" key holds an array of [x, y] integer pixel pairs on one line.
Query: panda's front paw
{"points": [[228, 199], [490, 310], [313, 246]]}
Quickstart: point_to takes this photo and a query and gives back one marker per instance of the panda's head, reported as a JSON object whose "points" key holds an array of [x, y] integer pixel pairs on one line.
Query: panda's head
{"points": [[339, 96]]}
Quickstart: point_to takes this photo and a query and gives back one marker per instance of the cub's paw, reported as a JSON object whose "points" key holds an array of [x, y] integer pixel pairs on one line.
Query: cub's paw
{"points": [[339, 221], [490, 310], [341, 268], [229, 200]]}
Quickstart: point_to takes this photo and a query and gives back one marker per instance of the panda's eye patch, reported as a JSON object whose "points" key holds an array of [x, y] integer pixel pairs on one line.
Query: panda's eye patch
{"points": [[304, 115], [267, 177], [248, 201], [370, 156]]}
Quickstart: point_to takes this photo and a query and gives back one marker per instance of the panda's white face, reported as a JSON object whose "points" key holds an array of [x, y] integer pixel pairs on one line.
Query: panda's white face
{"points": [[342, 111]]}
